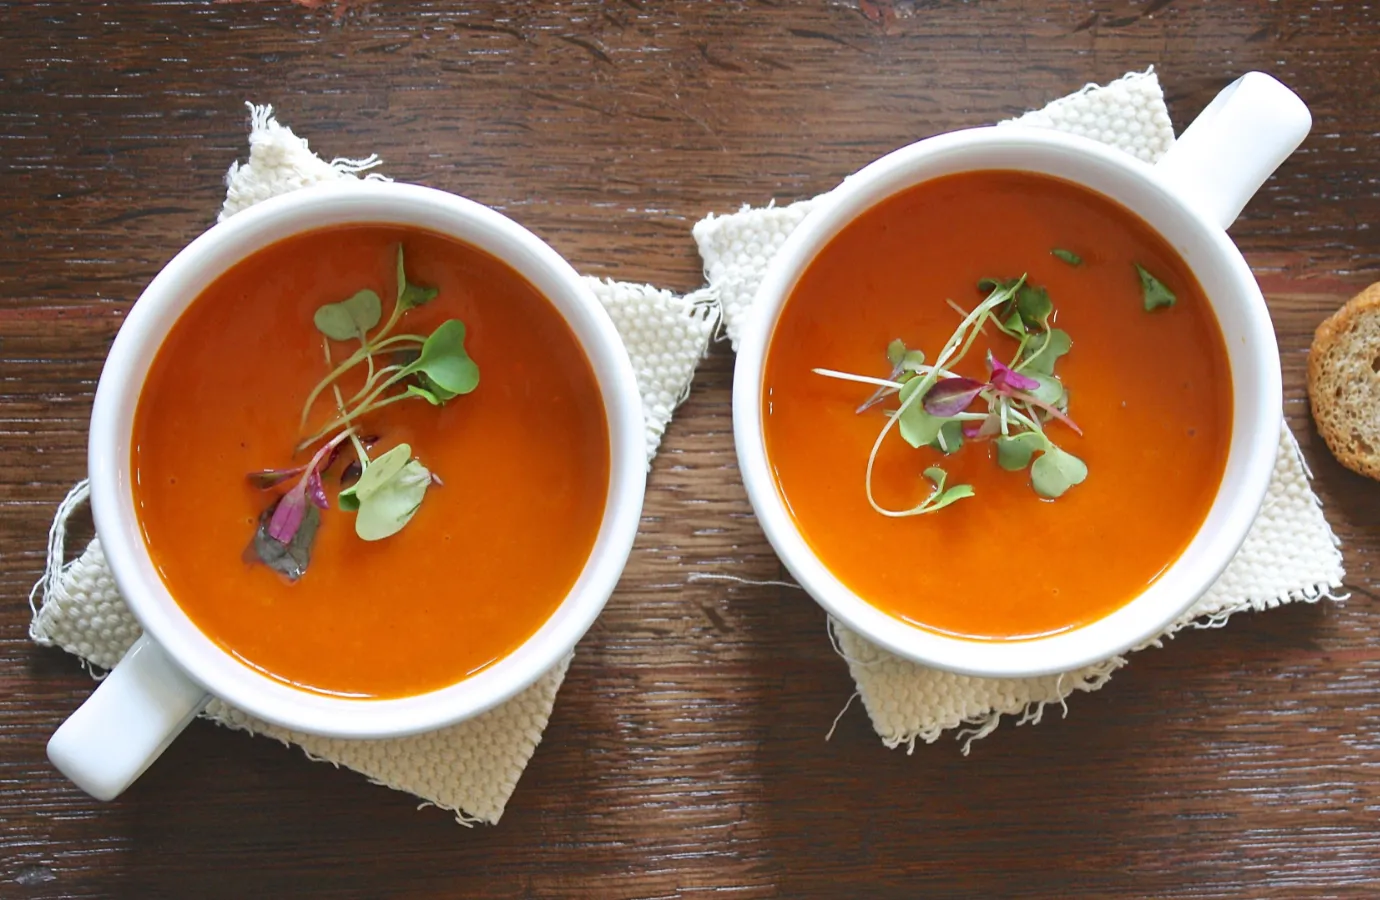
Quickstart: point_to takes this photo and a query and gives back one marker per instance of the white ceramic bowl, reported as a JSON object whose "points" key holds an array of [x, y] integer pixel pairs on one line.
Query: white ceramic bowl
{"points": [[1194, 193], [165, 680]]}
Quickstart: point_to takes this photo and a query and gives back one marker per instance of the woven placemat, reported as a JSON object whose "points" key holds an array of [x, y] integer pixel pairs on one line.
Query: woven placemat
{"points": [[1290, 554], [471, 768]]}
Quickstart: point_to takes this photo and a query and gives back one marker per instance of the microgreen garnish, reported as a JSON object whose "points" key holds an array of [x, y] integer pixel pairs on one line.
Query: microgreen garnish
{"points": [[1067, 256], [384, 492], [1023, 396], [1155, 293], [288, 559]]}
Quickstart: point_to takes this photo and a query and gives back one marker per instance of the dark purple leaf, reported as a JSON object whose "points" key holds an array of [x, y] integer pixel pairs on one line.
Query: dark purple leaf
{"points": [[264, 479], [288, 559], [951, 396], [350, 474], [1006, 379]]}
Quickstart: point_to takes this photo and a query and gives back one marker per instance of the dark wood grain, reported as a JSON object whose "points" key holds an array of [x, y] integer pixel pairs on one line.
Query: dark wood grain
{"points": [[686, 755]]}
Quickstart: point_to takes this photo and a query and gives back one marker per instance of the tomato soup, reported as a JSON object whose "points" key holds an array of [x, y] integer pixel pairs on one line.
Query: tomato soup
{"points": [[521, 466], [1151, 391]]}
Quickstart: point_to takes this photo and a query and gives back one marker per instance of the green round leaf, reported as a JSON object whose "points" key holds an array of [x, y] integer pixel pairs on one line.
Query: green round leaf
{"points": [[351, 318], [392, 504], [1055, 472], [379, 472], [1014, 451], [445, 361]]}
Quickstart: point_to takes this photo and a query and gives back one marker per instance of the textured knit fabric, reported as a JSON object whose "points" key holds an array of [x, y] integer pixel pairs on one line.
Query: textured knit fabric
{"points": [[471, 768], [1289, 555]]}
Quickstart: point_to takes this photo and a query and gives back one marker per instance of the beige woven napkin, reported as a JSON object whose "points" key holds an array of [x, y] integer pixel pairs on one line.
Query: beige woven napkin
{"points": [[1289, 555], [471, 768]]}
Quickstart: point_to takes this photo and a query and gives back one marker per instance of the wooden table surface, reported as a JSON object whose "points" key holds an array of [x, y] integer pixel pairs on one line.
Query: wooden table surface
{"points": [[687, 751]]}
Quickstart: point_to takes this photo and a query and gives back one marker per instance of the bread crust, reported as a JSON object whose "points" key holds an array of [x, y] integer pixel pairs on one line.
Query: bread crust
{"points": [[1336, 399]]}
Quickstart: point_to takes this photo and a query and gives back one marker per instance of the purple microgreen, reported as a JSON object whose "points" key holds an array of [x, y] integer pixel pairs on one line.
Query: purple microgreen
{"points": [[350, 474], [1007, 380], [266, 479], [1067, 256], [316, 491], [951, 396], [287, 516], [289, 559], [1153, 291], [290, 509]]}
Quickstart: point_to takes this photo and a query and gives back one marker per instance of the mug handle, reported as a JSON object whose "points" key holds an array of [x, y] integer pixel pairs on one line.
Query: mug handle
{"points": [[1242, 136], [127, 722]]}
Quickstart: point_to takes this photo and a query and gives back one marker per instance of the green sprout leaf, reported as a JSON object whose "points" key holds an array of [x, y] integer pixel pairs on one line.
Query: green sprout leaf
{"points": [[988, 285], [425, 394], [1050, 391], [444, 360], [378, 472], [1153, 290], [411, 296], [1034, 305], [940, 497], [1067, 256], [1041, 359], [1014, 452], [917, 427], [351, 318], [390, 505], [950, 437], [1056, 471], [903, 359]]}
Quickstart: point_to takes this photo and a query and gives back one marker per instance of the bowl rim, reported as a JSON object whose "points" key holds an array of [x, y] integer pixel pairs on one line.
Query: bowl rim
{"points": [[1252, 451], [178, 284]]}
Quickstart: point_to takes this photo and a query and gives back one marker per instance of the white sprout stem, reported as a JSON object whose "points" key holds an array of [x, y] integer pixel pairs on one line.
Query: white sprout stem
{"points": [[860, 379], [1025, 420], [881, 382]]}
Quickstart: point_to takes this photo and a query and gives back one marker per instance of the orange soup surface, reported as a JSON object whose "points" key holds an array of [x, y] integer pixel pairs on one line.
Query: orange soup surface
{"points": [[492, 550], [1150, 390]]}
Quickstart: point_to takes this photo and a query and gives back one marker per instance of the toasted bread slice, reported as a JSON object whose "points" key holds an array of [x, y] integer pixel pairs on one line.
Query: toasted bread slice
{"points": [[1344, 382]]}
